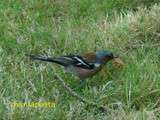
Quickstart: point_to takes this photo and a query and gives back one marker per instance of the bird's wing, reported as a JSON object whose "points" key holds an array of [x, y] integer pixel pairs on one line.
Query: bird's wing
{"points": [[78, 61], [68, 60], [89, 57]]}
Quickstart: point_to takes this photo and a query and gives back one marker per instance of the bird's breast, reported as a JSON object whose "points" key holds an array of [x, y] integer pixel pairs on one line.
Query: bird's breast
{"points": [[84, 73]]}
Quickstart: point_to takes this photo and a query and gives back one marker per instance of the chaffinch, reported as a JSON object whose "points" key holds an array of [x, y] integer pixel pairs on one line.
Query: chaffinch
{"points": [[83, 66]]}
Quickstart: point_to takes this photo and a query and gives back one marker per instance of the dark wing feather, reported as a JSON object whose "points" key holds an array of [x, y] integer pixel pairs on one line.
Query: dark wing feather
{"points": [[80, 62], [74, 60], [58, 60]]}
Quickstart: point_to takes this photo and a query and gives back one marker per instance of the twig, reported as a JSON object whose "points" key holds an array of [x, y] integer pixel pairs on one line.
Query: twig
{"points": [[74, 94]]}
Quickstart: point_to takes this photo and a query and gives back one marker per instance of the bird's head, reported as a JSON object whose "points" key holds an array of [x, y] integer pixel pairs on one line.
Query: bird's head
{"points": [[104, 56]]}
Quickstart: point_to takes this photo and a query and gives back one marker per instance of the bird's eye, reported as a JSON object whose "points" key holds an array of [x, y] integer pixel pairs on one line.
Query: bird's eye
{"points": [[111, 55]]}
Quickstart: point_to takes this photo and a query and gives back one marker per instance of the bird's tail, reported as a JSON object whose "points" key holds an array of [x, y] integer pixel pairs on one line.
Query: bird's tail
{"points": [[47, 59]]}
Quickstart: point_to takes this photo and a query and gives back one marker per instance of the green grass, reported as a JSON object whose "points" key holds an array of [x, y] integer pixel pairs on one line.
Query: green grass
{"points": [[62, 27]]}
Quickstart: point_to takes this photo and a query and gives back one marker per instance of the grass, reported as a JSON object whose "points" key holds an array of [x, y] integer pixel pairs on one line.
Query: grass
{"points": [[62, 27]]}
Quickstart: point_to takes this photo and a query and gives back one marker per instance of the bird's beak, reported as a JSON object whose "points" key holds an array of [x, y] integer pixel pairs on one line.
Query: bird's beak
{"points": [[118, 62]]}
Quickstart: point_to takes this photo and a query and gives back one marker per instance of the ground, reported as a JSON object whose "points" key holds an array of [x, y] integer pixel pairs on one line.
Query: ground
{"points": [[128, 28]]}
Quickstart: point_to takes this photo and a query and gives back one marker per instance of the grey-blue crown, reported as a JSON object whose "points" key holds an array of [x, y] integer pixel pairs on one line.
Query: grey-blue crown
{"points": [[104, 54]]}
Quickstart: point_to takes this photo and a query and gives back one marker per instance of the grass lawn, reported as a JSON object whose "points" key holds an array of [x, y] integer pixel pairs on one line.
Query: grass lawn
{"points": [[128, 28]]}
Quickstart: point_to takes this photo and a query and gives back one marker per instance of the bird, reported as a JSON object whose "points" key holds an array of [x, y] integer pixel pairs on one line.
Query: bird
{"points": [[83, 66]]}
